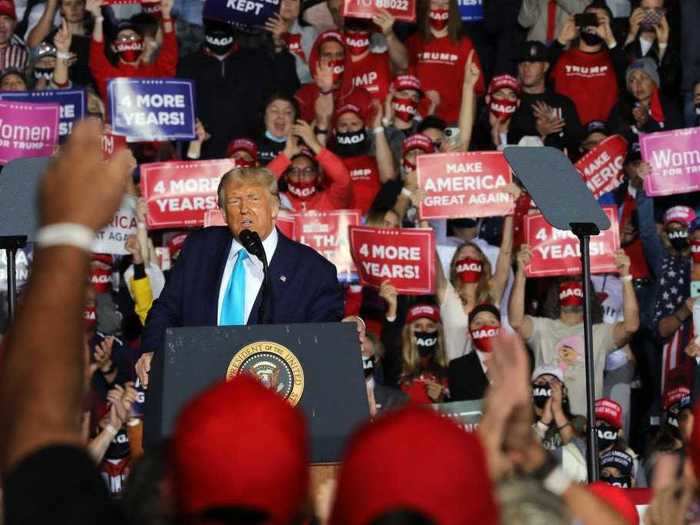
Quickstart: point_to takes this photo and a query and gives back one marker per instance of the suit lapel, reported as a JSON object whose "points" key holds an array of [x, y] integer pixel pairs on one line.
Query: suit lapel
{"points": [[219, 257]]}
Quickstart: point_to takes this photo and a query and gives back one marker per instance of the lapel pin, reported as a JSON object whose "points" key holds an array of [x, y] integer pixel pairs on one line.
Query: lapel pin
{"points": [[283, 278]]}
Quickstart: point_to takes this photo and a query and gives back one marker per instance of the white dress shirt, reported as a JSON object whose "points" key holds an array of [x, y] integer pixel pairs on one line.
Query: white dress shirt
{"points": [[253, 272]]}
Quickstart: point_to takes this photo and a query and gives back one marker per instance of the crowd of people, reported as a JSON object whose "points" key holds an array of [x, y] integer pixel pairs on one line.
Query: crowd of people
{"points": [[337, 110]]}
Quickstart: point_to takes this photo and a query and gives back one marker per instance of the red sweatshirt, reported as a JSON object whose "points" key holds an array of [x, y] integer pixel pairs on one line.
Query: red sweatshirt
{"points": [[364, 174], [439, 65], [589, 80], [103, 71], [374, 74], [335, 196]]}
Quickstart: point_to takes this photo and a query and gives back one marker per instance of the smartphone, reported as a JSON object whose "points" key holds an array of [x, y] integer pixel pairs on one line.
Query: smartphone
{"points": [[452, 135], [586, 20], [694, 289], [652, 18]]}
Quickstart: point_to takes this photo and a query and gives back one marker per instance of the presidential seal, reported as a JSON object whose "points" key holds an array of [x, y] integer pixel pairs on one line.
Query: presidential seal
{"points": [[274, 365]]}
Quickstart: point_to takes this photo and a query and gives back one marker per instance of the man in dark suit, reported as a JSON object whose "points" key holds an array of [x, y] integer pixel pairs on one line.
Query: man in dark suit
{"points": [[217, 282]]}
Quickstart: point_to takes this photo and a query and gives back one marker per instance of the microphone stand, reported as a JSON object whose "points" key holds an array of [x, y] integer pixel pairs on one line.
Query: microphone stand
{"points": [[253, 244]]}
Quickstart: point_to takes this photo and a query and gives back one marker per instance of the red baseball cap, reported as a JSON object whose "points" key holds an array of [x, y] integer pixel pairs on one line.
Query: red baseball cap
{"points": [[349, 108], [423, 311], [402, 82], [417, 460], [616, 498], [418, 141], [503, 81], [609, 411], [7, 8], [240, 444], [681, 214], [242, 145]]}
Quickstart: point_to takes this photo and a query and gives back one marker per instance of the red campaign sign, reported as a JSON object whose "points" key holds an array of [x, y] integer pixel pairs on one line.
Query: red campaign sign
{"points": [[327, 233], [178, 194], [404, 10], [111, 144], [557, 252], [404, 256], [214, 217], [286, 224], [601, 168], [468, 184]]}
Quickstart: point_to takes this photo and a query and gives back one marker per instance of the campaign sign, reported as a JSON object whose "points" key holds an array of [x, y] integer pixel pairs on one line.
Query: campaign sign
{"points": [[144, 109], [557, 252], [23, 263], [464, 413], [404, 256], [471, 184], [27, 130], [285, 223], [246, 14], [111, 144], [71, 102], [178, 194], [112, 238], [601, 168], [674, 157], [404, 10], [214, 217], [471, 10], [327, 233]]}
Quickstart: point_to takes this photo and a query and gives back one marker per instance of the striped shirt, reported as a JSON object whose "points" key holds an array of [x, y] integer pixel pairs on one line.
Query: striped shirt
{"points": [[14, 55]]}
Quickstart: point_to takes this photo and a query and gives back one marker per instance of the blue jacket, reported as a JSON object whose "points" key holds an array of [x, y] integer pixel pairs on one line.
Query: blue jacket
{"points": [[304, 287]]}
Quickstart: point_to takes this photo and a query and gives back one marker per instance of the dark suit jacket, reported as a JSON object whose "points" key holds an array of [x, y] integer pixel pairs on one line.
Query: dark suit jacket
{"points": [[304, 287], [466, 378]]}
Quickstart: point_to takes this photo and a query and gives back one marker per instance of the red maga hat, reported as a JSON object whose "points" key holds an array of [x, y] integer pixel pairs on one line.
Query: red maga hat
{"points": [[609, 411], [241, 445], [242, 145], [418, 141], [426, 311], [414, 459], [616, 498]]}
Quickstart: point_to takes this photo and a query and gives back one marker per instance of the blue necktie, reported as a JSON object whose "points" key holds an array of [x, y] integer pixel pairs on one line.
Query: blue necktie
{"points": [[233, 305]]}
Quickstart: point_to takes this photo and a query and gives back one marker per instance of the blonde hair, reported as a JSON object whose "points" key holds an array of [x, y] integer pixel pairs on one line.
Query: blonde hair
{"points": [[483, 288], [248, 176], [409, 352]]}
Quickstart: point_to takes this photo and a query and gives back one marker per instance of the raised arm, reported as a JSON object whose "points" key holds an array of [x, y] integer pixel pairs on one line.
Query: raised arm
{"points": [[626, 328], [385, 159], [41, 405], [62, 41], [467, 108], [42, 29], [94, 7], [397, 51], [520, 322], [505, 257]]}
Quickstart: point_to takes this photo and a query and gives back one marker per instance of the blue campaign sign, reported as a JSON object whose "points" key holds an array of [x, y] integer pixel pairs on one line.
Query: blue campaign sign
{"points": [[471, 10], [245, 14], [70, 101], [151, 109]]}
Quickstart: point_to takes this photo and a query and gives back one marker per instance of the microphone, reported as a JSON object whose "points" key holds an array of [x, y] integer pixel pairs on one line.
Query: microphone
{"points": [[253, 244]]}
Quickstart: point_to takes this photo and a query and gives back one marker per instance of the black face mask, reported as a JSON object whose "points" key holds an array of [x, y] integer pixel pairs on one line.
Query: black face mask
{"points": [[678, 239], [624, 482], [540, 395], [426, 343], [351, 144], [591, 39], [119, 447], [368, 365], [607, 436], [43, 72], [218, 42]]}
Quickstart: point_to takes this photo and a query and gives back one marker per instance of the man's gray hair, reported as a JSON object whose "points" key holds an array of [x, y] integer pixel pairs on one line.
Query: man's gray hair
{"points": [[248, 176]]}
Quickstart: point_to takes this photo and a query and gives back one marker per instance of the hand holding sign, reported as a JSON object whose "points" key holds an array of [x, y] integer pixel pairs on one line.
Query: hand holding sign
{"points": [[384, 20], [674, 157]]}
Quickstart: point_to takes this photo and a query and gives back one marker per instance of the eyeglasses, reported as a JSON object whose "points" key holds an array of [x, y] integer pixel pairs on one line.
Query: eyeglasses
{"points": [[302, 171]]}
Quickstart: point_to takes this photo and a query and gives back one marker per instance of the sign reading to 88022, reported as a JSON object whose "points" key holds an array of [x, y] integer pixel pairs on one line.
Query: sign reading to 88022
{"points": [[404, 10]]}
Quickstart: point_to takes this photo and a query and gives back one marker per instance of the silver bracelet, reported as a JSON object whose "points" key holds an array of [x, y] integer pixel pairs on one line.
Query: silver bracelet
{"points": [[66, 234]]}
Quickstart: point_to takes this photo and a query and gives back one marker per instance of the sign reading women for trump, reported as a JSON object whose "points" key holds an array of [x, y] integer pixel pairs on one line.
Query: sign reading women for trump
{"points": [[406, 257], [472, 184], [404, 10], [27, 130], [557, 252], [152, 109], [71, 102], [178, 194], [674, 157], [601, 168], [241, 13]]}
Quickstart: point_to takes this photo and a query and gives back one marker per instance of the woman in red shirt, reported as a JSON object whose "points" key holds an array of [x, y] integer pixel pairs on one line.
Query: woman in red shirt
{"points": [[424, 371], [438, 52]]}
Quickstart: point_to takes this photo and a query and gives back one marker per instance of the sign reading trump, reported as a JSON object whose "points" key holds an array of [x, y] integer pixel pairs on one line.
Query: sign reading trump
{"points": [[152, 109], [27, 130]]}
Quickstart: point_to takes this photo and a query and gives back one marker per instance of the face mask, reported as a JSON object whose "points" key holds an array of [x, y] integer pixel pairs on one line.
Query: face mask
{"points": [[483, 338], [404, 108], [303, 190], [678, 239], [218, 42], [695, 251], [672, 418], [357, 42], [571, 295], [438, 18], [469, 270], [129, 50], [368, 365], [43, 72], [351, 144], [607, 436], [540, 395], [278, 140], [623, 482], [89, 317], [338, 67], [502, 108], [591, 39], [426, 343]]}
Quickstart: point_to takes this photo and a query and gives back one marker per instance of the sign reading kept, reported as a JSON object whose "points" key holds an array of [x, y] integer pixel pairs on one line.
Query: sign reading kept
{"points": [[471, 10], [404, 10], [674, 157], [406, 257], [557, 252], [27, 130], [241, 13], [601, 168], [178, 194], [472, 184], [70, 101], [152, 109]]}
